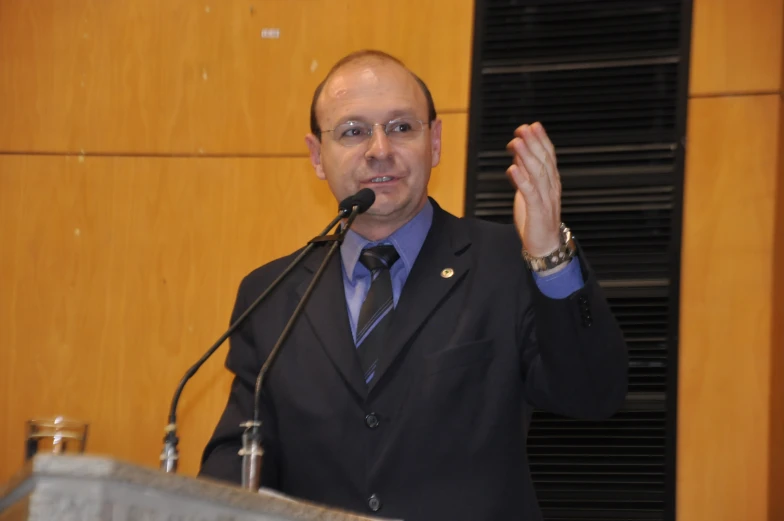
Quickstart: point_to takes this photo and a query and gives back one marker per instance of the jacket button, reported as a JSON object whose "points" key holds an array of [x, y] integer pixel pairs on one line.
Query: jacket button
{"points": [[374, 503], [371, 420]]}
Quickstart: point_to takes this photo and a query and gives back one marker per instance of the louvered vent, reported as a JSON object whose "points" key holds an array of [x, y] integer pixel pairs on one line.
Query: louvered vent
{"points": [[643, 316], [599, 470], [607, 80]]}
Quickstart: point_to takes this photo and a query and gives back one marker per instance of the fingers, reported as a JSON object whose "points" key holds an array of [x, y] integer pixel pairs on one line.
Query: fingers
{"points": [[555, 179], [522, 180], [537, 154], [540, 134], [538, 143], [535, 163], [538, 202]]}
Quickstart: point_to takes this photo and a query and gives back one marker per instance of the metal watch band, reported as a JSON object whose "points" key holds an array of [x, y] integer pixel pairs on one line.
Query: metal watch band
{"points": [[563, 253]]}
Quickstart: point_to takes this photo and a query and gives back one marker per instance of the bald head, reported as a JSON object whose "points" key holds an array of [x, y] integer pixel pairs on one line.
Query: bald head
{"points": [[360, 59]]}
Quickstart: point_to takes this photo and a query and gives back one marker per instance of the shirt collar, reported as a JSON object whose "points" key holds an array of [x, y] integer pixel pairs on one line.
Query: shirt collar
{"points": [[407, 240]]}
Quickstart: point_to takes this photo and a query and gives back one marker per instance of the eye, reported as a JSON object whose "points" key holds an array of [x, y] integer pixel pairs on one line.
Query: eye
{"points": [[352, 132], [402, 126]]}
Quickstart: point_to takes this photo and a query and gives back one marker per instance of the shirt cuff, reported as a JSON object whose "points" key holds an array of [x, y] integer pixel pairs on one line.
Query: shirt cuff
{"points": [[563, 283]]}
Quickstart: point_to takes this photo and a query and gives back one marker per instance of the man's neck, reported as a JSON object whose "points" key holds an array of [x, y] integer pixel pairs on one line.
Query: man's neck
{"points": [[375, 229]]}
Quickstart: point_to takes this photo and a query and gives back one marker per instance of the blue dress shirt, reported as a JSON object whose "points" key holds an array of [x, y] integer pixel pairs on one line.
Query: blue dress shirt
{"points": [[408, 241]]}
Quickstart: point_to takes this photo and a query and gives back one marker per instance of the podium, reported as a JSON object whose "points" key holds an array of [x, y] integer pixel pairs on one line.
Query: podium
{"points": [[93, 488]]}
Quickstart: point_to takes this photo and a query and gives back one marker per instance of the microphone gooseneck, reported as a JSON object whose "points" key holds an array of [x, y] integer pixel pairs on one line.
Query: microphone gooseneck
{"points": [[296, 313], [252, 451], [170, 455]]}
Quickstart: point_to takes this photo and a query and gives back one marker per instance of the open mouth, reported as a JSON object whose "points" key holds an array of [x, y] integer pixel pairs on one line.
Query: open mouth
{"points": [[382, 179]]}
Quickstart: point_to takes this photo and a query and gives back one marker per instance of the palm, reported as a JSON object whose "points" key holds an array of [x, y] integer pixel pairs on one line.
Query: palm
{"points": [[537, 203]]}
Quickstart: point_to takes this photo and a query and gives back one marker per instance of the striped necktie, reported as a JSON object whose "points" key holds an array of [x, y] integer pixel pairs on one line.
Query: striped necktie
{"points": [[375, 314]]}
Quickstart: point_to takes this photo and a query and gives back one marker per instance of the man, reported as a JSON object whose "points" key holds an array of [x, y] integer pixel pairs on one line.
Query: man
{"points": [[407, 386]]}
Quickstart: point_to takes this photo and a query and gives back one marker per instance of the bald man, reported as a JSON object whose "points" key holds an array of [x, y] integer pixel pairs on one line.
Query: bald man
{"points": [[406, 388]]}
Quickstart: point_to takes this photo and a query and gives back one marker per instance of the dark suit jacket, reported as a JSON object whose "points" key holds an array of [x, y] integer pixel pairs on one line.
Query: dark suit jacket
{"points": [[440, 432]]}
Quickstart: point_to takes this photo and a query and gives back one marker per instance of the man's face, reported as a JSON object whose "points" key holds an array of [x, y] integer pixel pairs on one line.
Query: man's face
{"points": [[370, 94]]}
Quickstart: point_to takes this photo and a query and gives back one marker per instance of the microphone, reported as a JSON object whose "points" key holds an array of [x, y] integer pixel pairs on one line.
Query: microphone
{"points": [[252, 451], [349, 207], [363, 199]]}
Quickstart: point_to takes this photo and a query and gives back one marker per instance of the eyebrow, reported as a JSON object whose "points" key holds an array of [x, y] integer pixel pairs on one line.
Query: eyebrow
{"points": [[390, 116]]}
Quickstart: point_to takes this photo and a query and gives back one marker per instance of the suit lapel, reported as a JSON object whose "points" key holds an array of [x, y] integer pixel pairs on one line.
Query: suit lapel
{"points": [[327, 314], [429, 282]]}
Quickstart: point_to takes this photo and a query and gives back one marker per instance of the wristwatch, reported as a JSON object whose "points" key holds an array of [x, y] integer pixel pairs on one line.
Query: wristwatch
{"points": [[563, 253]]}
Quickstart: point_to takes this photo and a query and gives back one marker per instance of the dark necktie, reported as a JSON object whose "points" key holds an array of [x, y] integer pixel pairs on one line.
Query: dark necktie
{"points": [[374, 316]]}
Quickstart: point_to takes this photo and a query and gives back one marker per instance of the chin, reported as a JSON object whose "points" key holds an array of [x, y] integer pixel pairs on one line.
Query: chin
{"points": [[389, 209], [380, 212]]}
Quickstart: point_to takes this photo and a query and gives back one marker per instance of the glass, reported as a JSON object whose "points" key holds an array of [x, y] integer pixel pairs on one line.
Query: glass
{"points": [[56, 435], [353, 133]]}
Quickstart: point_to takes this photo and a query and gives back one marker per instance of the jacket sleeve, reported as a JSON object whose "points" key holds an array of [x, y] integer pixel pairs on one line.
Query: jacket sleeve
{"points": [[574, 357], [221, 459]]}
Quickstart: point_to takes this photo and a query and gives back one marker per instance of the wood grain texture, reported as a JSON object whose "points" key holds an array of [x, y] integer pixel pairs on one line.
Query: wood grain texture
{"points": [[728, 271], [196, 77], [448, 179], [118, 273], [776, 412], [736, 46]]}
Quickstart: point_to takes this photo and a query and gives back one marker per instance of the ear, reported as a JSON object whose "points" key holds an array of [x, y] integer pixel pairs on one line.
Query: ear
{"points": [[435, 142], [314, 147]]}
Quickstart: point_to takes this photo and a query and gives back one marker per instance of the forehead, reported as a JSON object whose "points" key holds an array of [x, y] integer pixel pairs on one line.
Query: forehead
{"points": [[371, 89]]}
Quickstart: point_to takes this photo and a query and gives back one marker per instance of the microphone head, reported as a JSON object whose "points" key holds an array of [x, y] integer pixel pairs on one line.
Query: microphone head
{"points": [[364, 199]]}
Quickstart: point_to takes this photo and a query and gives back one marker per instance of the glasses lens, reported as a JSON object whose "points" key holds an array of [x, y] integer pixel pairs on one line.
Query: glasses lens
{"points": [[403, 129], [354, 133], [351, 133]]}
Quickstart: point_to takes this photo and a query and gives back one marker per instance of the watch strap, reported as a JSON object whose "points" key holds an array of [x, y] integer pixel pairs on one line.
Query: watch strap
{"points": [[565, 251]]}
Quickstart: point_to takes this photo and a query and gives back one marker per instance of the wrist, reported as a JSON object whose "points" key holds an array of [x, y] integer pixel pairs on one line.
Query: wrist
{"points": [[552, 246], [553, 271], [558, 257]]}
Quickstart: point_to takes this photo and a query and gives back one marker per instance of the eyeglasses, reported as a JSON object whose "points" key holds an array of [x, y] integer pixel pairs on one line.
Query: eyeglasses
{"points": [[353, 133]]}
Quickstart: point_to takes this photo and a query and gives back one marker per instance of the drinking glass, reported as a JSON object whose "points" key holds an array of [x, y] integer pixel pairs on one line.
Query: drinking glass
{"points": [[56, 435]]}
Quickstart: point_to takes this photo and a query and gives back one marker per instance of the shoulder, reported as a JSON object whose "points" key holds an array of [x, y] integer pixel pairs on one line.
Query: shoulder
{"points": [[497, 234], [484, 235], [260, 278], [496, 246]]}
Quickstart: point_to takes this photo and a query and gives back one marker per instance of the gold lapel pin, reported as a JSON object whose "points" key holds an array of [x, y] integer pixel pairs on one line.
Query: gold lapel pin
{"points": [[447, 272]]}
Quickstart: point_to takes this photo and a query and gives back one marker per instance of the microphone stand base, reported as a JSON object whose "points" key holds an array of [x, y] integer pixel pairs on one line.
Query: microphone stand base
{"points": [[170, 455], [252, 456]]}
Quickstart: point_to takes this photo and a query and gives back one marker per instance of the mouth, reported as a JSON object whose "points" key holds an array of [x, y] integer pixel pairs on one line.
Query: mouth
{"points": [[380, 180]]}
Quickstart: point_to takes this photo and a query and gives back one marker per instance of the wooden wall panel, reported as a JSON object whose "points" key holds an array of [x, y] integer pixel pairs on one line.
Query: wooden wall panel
{"points": [[736, 46], [117, 273], [776, 411], [195, 76], [728, 272], [731, 396], [447, 182]]}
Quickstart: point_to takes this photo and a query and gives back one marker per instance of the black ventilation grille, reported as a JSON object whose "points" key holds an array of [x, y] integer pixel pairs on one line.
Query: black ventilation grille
{"points": [[607, 79], [625, 229], [552, 30], [642, 313], [599, 470], [592, 106]]}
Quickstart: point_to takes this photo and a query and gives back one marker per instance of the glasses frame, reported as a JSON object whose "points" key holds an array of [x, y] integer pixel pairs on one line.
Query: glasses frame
{"points": [[372, 126]]}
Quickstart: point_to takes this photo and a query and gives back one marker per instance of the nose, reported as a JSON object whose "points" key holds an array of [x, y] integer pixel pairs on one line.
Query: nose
{"points": [[379, 146]]}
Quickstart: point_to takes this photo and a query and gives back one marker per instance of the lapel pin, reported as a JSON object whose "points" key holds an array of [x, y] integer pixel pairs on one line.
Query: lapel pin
{"points": [[447, 272]]}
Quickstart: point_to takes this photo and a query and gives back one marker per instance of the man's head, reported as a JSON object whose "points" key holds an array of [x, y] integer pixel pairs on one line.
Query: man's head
{"points": [[353, 145]]}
